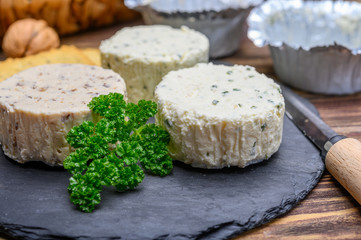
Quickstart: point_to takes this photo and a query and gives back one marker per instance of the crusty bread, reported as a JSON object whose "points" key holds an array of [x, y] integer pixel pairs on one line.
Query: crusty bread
{"points": [[65, 54], [65, 16]]}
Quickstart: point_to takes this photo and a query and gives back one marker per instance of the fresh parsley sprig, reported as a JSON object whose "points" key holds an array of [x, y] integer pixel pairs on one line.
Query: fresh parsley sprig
{"points": [[116, 150]]}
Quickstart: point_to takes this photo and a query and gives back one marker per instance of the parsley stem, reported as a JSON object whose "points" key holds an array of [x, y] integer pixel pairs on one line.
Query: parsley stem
{"points": [[139, 130]]}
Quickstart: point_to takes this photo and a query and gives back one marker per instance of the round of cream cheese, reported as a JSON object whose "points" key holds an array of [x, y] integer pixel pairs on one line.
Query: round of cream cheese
{"points": [[40, 105], [142, 55], [220, 116]]}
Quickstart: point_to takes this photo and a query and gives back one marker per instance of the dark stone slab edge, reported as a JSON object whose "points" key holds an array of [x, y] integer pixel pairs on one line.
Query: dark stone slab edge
{"points": [[220, 231], [234, 228]]}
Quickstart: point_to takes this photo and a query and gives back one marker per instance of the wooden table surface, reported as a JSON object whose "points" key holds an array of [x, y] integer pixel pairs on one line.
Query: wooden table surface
{"points": [[328, 212]]}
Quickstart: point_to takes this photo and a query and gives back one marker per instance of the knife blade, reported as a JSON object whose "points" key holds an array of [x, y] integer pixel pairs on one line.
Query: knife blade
{"points": [[342, 155]]}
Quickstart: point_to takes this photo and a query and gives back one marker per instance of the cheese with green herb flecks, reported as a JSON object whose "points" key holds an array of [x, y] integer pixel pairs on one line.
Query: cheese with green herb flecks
{"points": [[220, 116], [142, 55], [40, 105]]}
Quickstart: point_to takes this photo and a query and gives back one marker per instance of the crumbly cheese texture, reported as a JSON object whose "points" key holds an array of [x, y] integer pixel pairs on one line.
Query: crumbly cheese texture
{"points": [[40, 105], [142, 55], [220, 116]]}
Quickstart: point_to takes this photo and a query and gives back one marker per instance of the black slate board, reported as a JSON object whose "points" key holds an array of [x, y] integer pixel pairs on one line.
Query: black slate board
{"points": [[188, 204]]}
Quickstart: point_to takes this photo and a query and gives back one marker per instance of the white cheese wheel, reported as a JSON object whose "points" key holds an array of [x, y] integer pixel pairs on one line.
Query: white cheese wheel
{"points": [[220, 116], [40, 105], [142, 55]]}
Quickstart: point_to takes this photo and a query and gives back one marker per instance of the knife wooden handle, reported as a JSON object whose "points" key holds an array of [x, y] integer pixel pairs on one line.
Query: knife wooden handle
{"points": [[343, 161]]}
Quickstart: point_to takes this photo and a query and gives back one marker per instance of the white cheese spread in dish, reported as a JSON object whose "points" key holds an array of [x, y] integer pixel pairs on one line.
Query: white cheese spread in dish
{"points": [[40, 105], [219, 116], [142, 55]]}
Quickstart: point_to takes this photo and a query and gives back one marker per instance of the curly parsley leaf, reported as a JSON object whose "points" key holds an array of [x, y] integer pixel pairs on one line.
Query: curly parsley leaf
{"points": [[78, 136], [110, 152], [85, 191], [111, 106], [155, 158]]}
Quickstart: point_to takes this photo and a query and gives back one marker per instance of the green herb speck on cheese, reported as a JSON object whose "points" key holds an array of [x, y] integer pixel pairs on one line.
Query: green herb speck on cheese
{"points": [[224, 93], [264, 125]]}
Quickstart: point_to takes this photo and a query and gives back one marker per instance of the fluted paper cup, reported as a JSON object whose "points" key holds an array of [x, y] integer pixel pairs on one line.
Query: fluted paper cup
{"points": [[222, 21], [315, 45]]}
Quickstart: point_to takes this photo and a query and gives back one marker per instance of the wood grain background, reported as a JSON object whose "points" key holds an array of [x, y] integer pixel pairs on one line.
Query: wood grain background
{"points": [[328, 212]]}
